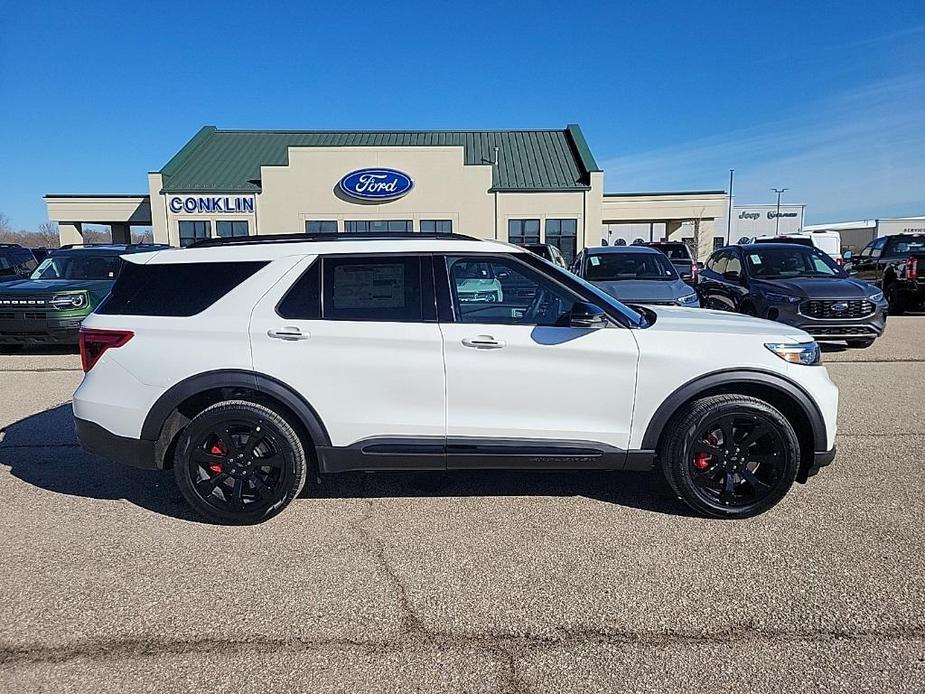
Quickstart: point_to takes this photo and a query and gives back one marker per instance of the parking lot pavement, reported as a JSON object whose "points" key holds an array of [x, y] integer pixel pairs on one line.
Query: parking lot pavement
{"points": [[476, 582]]}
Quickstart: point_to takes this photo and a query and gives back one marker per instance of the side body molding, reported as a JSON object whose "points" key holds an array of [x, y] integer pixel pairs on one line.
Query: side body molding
{"points": [[718, 379], [233, 378]]}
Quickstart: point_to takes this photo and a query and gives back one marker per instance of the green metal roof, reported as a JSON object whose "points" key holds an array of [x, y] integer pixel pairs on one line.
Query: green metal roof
{"points": [[229, 161]]}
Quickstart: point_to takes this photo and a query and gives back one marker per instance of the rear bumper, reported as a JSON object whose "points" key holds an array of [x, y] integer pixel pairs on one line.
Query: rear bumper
{"points": [[119, 449]]}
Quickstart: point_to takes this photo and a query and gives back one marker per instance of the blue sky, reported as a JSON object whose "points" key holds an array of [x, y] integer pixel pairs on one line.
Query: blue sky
{"points": [[827, 99]]}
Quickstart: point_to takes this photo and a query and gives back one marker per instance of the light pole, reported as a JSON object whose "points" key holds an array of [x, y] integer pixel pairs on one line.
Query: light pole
{"points": [[779, 191], [729, 210]]}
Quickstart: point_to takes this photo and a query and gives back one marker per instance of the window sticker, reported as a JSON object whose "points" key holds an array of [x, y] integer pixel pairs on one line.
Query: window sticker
{"points": [[595, 260], [756, 259], [369, 286]]}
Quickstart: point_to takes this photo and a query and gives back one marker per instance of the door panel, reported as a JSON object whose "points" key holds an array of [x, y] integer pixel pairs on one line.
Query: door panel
{"points": [[509, 378], [365, 379]]}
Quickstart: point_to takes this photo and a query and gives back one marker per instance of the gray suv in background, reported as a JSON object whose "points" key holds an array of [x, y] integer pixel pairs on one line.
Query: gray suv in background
{"points": [[635, 275]]}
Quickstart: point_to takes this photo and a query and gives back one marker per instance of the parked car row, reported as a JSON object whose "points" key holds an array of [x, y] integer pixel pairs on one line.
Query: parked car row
{"points": [[793, 280], [46, 304]]}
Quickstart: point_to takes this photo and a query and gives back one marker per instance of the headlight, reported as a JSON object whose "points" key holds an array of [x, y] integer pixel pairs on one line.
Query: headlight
{"points": [[876, 298], [806, 353], [688, 300], [68, 301], [782, 298]]}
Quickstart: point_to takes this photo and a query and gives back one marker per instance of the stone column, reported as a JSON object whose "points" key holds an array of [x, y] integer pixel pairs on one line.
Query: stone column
{"points": [[70, 232], [705, 238], [121, 233], [671, 227]]}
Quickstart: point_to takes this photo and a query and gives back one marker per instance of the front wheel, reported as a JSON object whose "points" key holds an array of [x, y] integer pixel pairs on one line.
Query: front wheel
{"points": [[730, 456], [896, 301], [239, 463]]}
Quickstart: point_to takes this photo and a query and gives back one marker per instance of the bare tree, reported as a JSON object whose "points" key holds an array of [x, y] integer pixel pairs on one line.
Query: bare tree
{"points": [[142, 235], [47, 235]]}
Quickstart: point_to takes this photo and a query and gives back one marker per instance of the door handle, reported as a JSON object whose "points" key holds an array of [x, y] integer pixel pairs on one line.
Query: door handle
{"points": [[289, 333], [483, 342]]}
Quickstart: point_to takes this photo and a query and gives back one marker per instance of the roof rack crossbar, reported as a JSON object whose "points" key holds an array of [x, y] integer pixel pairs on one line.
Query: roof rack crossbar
{"points": [[330, 236]]}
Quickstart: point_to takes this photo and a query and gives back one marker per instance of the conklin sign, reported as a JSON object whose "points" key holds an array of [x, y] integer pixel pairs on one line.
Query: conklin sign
{"points": [[220, 204]]}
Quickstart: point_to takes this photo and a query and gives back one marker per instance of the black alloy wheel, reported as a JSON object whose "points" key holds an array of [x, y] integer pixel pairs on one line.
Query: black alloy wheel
{"points": [[238, 462], [736, 459], [730, 456]]}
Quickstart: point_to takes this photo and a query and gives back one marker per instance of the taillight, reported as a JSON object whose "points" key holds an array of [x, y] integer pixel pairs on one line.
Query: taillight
{"points": [[912, 268], [94, 342], [695, 272]]}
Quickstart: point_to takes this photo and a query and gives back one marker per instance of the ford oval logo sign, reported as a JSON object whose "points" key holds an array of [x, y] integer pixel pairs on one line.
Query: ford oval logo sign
{"points": [[376, 184]]}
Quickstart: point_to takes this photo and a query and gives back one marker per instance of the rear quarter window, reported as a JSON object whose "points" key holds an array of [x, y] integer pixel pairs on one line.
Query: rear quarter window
{"points": [[174, 289]]}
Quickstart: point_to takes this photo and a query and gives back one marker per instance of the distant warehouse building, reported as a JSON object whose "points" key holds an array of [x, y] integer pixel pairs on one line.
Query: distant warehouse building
{"points": [[856, 235], [523, 186]]}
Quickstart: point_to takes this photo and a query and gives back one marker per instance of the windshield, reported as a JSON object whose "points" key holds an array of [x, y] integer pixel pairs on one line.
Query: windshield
{"points": [[675, 251], [787, 263], [611, 267], [78, 267]]}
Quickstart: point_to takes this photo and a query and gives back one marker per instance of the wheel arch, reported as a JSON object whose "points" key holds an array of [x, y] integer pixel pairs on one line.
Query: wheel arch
{"points": [[179, 403], [780, 392]]}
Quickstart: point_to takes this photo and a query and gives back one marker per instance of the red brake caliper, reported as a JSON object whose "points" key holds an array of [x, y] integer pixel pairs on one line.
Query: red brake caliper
{"points": [[702, 460], [216, 450]]}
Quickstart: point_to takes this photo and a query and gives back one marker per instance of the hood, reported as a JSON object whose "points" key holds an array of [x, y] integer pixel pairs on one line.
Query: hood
{"points": [[27, 286], [97, 288], [817, 287], [701, 320], [643, 291]]}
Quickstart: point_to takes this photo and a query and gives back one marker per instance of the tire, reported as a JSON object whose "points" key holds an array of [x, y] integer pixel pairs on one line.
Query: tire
{"points": [[11, 349], [239, 463], [896, 301], [743, 483], [859, 344]]}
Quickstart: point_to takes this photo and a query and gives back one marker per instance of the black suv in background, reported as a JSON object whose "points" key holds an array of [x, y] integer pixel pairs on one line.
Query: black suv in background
{"points": [[15, 262], [896, 264], [680, 256], [797, 285]]}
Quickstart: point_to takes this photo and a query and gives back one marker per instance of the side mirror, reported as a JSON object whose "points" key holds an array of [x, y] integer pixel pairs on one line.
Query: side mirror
{"points": [[585, 315], [700, 265], [847, 255], [732, 275]]}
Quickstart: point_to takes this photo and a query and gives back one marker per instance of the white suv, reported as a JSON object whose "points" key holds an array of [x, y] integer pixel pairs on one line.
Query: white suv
{"points": [[251, 365]]}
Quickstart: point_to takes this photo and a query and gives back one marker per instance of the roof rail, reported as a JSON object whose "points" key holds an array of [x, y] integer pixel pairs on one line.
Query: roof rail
{"points": [[110, 244], [330, 236], [10, 245]]}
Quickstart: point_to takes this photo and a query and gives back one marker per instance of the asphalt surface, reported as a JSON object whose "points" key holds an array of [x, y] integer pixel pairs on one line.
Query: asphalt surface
{"points": [[475, 582]]}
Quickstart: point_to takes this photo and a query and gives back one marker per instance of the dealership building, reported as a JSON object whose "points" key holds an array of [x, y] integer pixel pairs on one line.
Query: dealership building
{"points": [[523, 186]]}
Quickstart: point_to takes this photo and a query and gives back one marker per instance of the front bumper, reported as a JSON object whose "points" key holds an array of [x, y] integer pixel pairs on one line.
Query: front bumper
{"points": [[119, 449], [832, 329], [820, 460], [22, 330]]}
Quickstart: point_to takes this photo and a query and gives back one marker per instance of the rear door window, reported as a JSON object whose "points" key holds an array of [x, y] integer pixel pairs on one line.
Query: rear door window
{"points": [[375, 288]]}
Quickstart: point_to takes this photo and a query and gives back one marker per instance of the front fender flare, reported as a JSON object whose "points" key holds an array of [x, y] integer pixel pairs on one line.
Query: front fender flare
{"points": [[724, 378]]}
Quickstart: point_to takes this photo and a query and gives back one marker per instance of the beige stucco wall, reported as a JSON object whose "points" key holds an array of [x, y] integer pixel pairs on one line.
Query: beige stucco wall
{"points": [[444, 188], [662, 207]]}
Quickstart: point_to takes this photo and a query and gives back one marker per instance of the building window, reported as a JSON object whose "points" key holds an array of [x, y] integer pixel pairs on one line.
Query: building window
{"points": [[227, 230], [563, 234], [523, 231], [379, 226], [718, 242], [319, 226], [437, 226], [190, 232]]}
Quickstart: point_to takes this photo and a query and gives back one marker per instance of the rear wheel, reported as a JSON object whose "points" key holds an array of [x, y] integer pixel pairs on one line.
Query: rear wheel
{"points": [[238, 462], [896, 301], [730, 456]]}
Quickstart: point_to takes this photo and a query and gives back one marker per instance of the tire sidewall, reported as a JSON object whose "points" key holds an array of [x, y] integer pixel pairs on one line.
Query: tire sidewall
{"points": [[679, 450], [284, 437]]}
